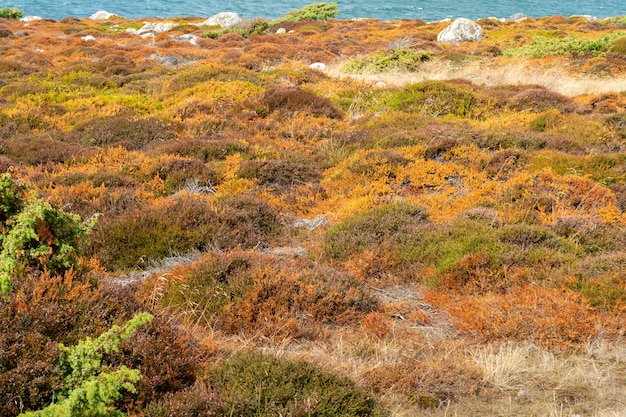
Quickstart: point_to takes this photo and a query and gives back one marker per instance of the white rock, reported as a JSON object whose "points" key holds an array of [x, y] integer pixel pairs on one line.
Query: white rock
{"points": [[224, 19], [380, 84], [102, 15], [517, 17], [147, 35], [318, 66], [192, 39], [588, 17], [280, 31], [88, 38], [30, 18], [461, 30]]}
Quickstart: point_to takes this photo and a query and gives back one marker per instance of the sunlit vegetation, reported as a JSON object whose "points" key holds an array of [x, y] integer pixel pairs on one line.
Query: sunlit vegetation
{"points": [[384, 238]]}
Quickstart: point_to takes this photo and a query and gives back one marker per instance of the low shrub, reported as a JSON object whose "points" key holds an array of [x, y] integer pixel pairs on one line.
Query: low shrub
{"points": [[11, 13], [296, 99], [279, 172], [260, 385], [181, 224], [176, 172], [403, 60], [297, 302], [377, 229], [197, 400], [130, 133], [539, 100], [204, 148], [314, 11], [433, 98], [542, 46]]}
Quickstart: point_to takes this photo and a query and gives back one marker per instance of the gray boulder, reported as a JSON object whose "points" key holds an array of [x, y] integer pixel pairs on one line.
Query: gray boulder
{"points": [[461, 30], [224, 20]]}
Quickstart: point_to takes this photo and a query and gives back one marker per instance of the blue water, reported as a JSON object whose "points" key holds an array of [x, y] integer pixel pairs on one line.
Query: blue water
{"points": [[383, 10]]}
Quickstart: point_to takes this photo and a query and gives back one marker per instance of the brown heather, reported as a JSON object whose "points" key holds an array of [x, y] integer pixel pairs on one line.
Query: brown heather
{"points": [[447, 240]]}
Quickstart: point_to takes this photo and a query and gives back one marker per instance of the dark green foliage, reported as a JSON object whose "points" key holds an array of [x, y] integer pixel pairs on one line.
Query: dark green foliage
{"points": [[122, 131], [296, 99], [258, 385], [278, 172], [376, 229]]}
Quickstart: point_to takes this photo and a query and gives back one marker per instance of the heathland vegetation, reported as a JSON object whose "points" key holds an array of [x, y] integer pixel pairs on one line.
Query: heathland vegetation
{"points": [[194, 222]]}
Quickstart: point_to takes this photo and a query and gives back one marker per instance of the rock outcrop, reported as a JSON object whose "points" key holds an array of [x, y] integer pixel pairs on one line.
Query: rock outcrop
{"points": [[102, 15], [461, 30], [224, 20]]}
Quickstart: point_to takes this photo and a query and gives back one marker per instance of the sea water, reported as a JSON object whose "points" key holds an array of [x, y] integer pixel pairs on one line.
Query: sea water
{"points": [[378, 9]]}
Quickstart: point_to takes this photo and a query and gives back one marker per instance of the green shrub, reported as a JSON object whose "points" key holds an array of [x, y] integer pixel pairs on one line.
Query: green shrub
{"points": [[258, 385], [89, 388], [11, 13], [547, 46], [404, 59], [315, 11], [35, 234], [376, 229], [434, 98]]}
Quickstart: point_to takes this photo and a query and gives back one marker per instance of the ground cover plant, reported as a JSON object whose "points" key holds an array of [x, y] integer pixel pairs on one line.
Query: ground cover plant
{"points": [[419, 229]]}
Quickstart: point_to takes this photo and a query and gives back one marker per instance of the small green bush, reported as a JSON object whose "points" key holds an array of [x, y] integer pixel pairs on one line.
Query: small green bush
{"points": [[548, 46], [11, 13], [33, 233], [259, 385], [404, 59], [315, 11], [90, 389]]}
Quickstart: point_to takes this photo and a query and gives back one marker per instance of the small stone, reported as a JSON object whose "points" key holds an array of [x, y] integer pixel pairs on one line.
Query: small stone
{"points": [[6, 33], [21, 34], [88, 38], [280, 31], [318, 66], [192, 39]]}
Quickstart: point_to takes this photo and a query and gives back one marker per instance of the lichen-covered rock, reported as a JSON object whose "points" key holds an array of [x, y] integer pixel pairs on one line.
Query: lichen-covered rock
{"points": [[461, 30], [224, 20]]}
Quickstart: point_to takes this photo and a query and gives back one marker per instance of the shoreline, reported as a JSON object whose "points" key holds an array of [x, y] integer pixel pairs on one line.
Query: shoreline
{"points": [[513, 18]]}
